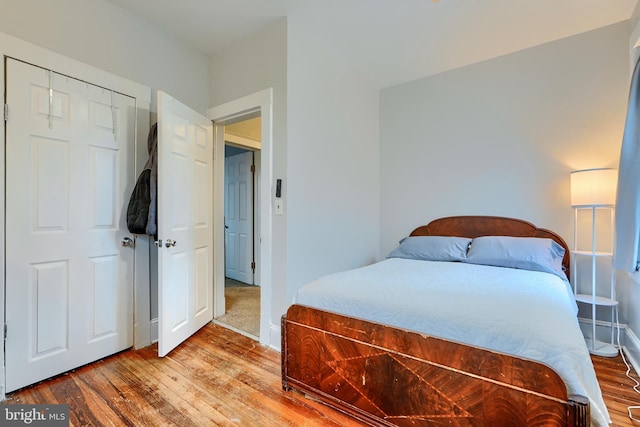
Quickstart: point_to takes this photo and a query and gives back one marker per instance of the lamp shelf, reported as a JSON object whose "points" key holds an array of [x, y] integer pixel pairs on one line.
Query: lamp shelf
{"points": [[591, 253], [602, 301], [594, 190]]}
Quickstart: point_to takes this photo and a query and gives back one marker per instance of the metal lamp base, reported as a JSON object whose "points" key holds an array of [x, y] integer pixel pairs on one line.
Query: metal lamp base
{"points": [[599, 348]]}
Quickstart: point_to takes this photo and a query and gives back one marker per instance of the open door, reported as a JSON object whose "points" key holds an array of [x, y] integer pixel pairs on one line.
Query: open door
{"points": [[185, 215]]}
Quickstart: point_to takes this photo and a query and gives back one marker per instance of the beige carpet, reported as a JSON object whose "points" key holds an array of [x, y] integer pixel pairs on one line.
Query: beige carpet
{"points": [[242, 307]]}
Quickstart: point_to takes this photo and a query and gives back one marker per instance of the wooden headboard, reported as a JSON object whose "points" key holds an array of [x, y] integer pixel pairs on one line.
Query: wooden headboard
{"points": [[476, 226]]}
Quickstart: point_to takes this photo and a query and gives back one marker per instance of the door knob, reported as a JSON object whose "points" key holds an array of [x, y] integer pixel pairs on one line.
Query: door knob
{"points": [[127, 241], [168, 243]]}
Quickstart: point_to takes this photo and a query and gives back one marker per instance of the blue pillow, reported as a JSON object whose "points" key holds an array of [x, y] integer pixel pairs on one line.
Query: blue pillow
{"points": [[432, 248], [528, 253]]}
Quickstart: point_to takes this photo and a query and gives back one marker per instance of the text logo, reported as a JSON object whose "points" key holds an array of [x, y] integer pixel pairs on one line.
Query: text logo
{"points": [[34, 415]]}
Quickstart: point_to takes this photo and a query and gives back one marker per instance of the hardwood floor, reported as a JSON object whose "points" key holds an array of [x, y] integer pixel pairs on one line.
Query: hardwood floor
{"points": [[617, 389], [219, 377]]}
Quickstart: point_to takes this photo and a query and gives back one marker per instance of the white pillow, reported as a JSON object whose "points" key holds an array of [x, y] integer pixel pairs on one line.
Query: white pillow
{"points": [[432, 248], [528, 253]]}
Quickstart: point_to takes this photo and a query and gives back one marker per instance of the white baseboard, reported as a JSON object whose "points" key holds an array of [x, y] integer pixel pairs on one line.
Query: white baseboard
{"points": [[234, 329], [627, 340], [273, 334], [142, 337], [154, 330], [631, 348], [603, 331], [275, 337]]}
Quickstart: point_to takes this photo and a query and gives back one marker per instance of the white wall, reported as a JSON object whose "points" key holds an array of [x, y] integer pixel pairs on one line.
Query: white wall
{"points": [[502, 136], [325, 151], [628, 285], [361, 169], [105, 36], [249, 66], [101, 34], [333, 162]]}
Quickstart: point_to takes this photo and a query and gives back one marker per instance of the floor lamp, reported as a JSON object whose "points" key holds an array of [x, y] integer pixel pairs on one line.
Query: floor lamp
{"points": [[595, 190]]}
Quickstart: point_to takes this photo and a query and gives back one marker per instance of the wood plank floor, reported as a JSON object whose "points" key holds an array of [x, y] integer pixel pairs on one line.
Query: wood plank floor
{"points": [[617, 389], [219, 377]]}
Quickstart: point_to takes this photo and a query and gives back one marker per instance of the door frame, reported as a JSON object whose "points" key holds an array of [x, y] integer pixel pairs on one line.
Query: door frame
{"points": [[27, 52], [247, 106]]}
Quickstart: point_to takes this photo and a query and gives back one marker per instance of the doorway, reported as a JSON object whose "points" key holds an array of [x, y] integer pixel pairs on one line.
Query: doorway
{"points": [[253, 105], [241, 290]]}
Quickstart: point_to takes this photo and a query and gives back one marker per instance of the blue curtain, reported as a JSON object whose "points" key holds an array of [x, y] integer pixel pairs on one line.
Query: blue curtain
{"points": [[628, 196]]}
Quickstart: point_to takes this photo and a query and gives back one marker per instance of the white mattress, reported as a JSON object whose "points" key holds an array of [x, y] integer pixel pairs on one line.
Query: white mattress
{"points": [[525, 313]]}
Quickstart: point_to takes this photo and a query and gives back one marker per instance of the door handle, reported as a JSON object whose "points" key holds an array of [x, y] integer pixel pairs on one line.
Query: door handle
{"points": [[169, 243], [127, 241]]}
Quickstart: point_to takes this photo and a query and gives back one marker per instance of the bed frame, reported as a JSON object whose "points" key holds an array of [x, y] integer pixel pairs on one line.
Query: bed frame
{"points": [[387, 376]]}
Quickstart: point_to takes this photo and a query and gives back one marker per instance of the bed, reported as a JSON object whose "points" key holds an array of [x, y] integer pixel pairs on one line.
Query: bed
{"points": [[441, 342]]}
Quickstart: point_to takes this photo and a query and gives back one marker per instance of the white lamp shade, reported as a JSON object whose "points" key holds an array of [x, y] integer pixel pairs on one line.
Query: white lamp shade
{"points": [[594, 187]]}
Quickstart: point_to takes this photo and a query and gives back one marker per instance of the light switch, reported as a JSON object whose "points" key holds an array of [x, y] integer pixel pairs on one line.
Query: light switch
{"points": [[278, 206]]}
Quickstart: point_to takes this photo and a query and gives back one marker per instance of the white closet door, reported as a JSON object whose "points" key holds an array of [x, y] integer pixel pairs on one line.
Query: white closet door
{"points": [[69, 174], [185, 214]]}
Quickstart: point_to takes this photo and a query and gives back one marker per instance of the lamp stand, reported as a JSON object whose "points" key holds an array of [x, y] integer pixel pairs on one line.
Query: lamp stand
{"points": [[595, 346]]}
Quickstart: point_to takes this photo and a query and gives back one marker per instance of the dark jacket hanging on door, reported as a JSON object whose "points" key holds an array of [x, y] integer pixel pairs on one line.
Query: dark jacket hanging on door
{"points": [[141, 212]]}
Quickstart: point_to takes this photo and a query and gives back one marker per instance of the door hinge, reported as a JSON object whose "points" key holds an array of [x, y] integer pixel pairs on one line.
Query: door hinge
{"points": [[253, 168], [5, 331], [6, 112], [253, 265]]}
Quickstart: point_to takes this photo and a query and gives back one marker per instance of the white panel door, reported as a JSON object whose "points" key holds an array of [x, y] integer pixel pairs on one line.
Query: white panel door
{"points": [[239, 217], [69, 174], [185, 214]]}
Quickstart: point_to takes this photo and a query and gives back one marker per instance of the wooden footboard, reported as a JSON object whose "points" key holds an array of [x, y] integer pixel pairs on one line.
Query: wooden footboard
{"points": [[389, 376]]}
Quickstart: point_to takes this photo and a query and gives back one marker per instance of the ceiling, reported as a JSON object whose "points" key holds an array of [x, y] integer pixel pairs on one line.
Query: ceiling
{"points": [[389, 41]]}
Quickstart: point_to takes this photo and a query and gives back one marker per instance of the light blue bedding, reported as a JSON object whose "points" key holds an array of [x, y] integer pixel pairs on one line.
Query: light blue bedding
{"points": [[530, 314]]}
